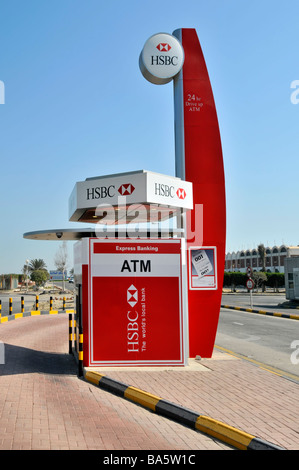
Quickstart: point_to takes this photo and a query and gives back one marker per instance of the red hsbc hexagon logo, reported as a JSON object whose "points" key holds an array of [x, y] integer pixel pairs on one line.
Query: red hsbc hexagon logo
{"points": [[126, 189], [181, 193], [132, 295], [163, 47]]}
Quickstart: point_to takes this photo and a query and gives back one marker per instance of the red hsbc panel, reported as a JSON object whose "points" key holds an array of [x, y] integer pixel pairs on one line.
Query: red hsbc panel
{"points": [[136, 313], [199, 160]]}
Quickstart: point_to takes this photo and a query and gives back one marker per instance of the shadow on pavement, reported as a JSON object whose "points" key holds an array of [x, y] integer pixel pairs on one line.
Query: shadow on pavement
{"points": [[19, 360]]}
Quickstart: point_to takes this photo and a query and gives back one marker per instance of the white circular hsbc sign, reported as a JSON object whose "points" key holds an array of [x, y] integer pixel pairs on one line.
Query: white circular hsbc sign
{"points": [[161, 58]]}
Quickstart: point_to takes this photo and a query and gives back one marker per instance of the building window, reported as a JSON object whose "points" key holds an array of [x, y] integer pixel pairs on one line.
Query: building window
{"points": [[282, 258]]}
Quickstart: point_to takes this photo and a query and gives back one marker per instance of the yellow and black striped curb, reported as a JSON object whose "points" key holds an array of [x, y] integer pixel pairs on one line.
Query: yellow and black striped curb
{"points": [[7, 318], [232, 436], [263, 312]]}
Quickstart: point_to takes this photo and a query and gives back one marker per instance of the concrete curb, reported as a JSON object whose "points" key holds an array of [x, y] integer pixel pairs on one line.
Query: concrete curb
{"points": [[263, 312], [6, 318], [232, 436]]}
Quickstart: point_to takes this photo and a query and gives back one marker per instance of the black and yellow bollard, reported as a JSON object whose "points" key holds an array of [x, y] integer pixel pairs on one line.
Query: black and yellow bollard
{"points": [[22, 305], [80, 353], [10, 305], [51, 303], [63, 304], [0, 307], [70, 333], [37, 303], [74, 333]]}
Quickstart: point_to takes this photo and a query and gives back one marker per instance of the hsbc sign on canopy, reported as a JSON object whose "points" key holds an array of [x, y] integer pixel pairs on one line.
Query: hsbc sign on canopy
{"points": [[140, 187]]}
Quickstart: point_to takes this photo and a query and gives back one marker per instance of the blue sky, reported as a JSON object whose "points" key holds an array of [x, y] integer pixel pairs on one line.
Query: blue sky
{"points": [[77, 106]]}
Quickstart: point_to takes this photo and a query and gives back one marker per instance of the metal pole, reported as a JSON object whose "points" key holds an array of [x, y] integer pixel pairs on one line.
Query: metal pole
{"points": [[27, 261]]}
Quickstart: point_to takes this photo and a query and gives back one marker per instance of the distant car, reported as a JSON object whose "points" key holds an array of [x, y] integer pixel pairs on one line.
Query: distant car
{"points": [[71, 280]]}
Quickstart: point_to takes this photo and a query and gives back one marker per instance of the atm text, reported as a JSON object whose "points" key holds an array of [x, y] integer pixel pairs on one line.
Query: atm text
{"points": [[136, 265]]}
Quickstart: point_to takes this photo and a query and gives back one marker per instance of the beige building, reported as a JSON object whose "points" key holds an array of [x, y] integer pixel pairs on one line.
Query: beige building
{"points": [[241, 260]]}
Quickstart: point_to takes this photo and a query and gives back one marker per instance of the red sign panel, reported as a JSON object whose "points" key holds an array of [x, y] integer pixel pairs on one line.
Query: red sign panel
{"points": [[135, 311], [199, 160]]}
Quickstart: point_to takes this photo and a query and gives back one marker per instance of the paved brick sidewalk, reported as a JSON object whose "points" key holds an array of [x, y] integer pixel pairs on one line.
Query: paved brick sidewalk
{"points": [[43, 404]]}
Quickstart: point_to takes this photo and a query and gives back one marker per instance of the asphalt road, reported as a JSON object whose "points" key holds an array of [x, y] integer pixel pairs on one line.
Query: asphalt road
{"points": [[29, 299], [259, 300], [273, 341], [16, 302]]}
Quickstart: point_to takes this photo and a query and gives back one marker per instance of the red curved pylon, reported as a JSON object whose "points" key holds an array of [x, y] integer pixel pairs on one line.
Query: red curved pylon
{"points": [[199, 160]]}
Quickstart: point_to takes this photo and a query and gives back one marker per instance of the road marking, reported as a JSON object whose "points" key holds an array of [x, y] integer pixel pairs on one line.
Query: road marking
{"points": [[273, 370]]}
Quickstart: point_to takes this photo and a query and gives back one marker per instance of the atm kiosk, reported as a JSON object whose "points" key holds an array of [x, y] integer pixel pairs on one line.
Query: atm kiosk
{"points": [[131, 276], [130, 269]]}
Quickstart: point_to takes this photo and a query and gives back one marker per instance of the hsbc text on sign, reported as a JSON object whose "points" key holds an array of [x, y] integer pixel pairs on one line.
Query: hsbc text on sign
{"points": [[135, 311], [164, 60], [100, 192]]}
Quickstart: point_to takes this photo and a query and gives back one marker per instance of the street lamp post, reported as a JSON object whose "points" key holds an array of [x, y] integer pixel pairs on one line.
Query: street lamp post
{"points": [[27, 262]]}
